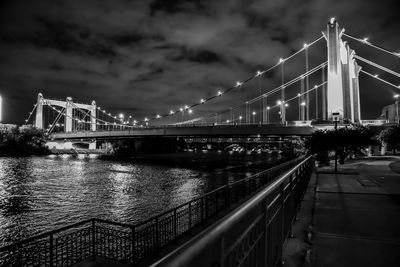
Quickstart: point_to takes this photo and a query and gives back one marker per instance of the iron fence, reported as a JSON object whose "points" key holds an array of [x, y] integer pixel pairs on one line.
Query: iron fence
{"points": [[132, 243], [254, 234]]}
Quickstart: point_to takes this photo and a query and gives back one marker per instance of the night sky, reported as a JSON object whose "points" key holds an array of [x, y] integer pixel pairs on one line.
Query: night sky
{"points": [[147, 57]]}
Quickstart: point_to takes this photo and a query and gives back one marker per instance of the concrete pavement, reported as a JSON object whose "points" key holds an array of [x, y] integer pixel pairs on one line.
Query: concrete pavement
{"points": [[357, 214]]}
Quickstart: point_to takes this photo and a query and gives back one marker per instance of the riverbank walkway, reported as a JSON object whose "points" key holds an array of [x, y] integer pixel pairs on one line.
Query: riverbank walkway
{"points": [[356, 220]]}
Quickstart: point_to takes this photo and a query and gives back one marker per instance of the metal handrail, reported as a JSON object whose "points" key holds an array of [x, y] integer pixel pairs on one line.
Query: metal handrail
{"points": [[212, 238]]}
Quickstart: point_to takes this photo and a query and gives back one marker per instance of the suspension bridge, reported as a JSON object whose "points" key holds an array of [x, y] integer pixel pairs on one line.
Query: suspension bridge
{"points": [[311, 90], [224, 232]]}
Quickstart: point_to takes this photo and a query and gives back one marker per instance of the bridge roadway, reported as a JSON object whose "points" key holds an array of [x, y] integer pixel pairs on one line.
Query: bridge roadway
{"points": [[190, 131]]}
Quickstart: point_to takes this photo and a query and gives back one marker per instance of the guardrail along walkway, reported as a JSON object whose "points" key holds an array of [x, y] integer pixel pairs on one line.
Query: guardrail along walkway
{"points": [[127, 243], [254, 233]]}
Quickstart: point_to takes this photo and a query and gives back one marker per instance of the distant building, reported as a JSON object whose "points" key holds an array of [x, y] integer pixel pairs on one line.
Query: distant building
{"points": [[390, 113]]}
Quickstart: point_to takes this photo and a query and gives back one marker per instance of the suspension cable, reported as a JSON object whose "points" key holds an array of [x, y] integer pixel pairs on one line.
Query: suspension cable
{"points": [[364, 41], [238, 84], [380, 79], [378, 66], [277, 89], [30, 114]]}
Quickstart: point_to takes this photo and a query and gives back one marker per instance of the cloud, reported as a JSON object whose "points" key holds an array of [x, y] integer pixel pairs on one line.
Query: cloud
{"points": [[152, 56]]}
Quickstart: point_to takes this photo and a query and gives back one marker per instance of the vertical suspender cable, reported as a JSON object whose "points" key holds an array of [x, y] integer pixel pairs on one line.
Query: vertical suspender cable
{"points": [[307, 87]]}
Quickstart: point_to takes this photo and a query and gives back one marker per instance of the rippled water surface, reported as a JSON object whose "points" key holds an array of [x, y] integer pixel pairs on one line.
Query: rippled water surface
{"points": [[43, 193]]}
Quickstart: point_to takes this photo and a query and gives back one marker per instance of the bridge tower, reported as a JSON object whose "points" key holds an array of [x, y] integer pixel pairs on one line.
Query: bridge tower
{"points": [[93, 116], [343, 88], [39, 112], [68, 115]]}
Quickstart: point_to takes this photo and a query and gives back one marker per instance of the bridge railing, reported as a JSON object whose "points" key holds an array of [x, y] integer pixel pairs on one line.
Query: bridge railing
{"points": [[199, 125], [253, 234], [132, 243]]}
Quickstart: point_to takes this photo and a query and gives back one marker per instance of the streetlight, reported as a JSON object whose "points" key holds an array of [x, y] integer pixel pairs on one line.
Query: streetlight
{"points": [[303, 104], [298, 95], [396, 97], [268, 108], [254, 116], [1, 108], [336, 119], [240, 119]]}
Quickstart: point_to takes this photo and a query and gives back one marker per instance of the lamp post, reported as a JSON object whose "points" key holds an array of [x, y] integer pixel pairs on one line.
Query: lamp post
{"points": [[1, 108], [396, 102], [254, 117], [280, 104], [268, 108], [303, 104], [240, 119], [336, 118], [298, 96]]}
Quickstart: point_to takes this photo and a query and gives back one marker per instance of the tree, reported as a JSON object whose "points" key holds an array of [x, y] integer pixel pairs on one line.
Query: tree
{"points": [[347, 141], [22, 141], [390, 136]]}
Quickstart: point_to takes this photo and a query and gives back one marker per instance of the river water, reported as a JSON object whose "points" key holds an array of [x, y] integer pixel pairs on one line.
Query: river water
{"points": [[38, 194]]}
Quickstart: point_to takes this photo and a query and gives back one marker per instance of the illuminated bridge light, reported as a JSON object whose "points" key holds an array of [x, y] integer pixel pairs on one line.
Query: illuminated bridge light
{"points": [[219, 93]]}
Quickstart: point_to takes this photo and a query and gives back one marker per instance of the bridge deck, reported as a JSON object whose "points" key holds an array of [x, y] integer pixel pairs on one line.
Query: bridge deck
{"points": [[195, 131]]}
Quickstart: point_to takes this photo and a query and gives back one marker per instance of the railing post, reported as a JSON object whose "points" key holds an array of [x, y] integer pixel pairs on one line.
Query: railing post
{"points": [[202, 210], [227, 196], [190, 215], [157, 237], [216, 202], [51, 251], [175, 225], [282, 191], [133, 245], [291, 186], [205, 208], [93, 240]]}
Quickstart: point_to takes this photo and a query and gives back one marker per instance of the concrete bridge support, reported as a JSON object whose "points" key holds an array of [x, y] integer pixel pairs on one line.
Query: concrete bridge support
{"points": [[93, 116], [343, 91], [68, 115], [39, 112]]}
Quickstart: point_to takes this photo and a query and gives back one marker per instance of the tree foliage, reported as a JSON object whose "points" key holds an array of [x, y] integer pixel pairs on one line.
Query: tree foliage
{"points": [[22, 141], [347, 140], [390, 135]]}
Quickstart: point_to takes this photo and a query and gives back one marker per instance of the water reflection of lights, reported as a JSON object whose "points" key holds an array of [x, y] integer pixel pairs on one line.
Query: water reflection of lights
{"points": [[93, 156], [52, 156], [65, 156], [187, 191], [81, 156]]}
